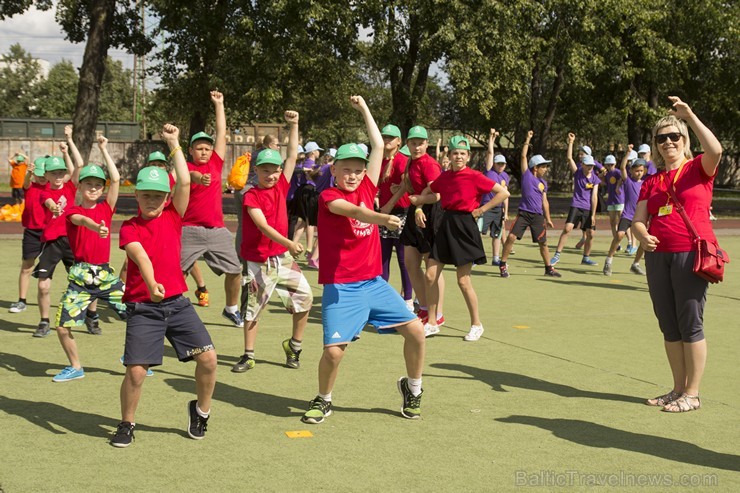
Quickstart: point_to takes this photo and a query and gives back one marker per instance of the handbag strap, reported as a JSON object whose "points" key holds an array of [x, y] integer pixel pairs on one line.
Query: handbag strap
{"points": [[679, 207]]}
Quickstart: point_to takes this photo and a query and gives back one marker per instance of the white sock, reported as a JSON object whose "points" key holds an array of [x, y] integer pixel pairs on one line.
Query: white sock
{"points": [[201, 413], [635, 264], [608, 261], [415, 386], [232, 309], [326, 397]]}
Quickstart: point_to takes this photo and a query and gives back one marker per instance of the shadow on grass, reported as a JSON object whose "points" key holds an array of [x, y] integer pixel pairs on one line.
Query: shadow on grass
{"points": [[606, 285], [498, 380], [50, 417], [30, 368], [10, 326], [599, 436]]}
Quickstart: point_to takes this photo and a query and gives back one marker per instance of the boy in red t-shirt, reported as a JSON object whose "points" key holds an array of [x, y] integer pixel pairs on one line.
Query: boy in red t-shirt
{"points": [[204, 232], [350, 270], [267, 253], [18, 167], [155, 305], [91, 277], [33, 220]]}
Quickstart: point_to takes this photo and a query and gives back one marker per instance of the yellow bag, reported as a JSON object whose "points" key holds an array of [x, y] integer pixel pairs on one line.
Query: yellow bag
{"points": [[239, 172]]}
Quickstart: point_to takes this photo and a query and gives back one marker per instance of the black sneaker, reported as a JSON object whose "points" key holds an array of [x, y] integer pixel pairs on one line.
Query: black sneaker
{"points": [[411, 407], [93, 326], [124, 435], [291, 357], [552, 272], [318, 409], [503, 270], [42, 330], [245, 363], [197, 424]]}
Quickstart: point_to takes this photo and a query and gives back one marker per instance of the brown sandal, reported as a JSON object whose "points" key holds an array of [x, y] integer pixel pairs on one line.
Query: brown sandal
{"points": [[683, 404], [663, 400]]}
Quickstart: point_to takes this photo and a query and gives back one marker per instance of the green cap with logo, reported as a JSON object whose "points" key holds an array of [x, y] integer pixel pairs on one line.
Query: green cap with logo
{"points": [[92, 171], [201, 136], [19, 158], [39, 166], [269, 156], [459, 142], [153, 178], [156, 156], [54, 163], [351, 151], [418, 132], [405, 151], [391, 131]]}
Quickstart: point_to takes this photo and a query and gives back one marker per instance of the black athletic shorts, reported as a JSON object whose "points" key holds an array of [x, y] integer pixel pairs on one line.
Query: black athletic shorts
{"points": [[578, 216], [422, 238], [536, 224], [53, 251], [624, 225], [32, 244], [17, 194]]}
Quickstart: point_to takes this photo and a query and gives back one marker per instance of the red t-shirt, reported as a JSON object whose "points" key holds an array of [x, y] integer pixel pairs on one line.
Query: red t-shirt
{"points": [[384, 187], [160, 238], [350, 249], [422, 171], [694, 191], [56, 227], [34, 212], [205, 207], [462, 190], [87, 245], [256, 246]]}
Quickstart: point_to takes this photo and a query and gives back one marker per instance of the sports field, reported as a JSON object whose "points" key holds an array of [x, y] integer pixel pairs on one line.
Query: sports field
{"points": [[550, 397]]}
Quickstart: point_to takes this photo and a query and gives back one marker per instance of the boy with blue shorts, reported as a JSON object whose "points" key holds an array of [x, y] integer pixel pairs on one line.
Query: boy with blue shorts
{"points": [[354, 291], [155, 305]]}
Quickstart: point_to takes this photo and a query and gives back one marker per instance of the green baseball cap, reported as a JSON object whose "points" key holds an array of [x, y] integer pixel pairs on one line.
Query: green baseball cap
{"points": [[405, 151], [269, 156], [153, 178], [351, 151], [201, 136], [92, 171], [39, 165], [19, 158], [391, 131], [54, 163], [459, 142], [418, 132], [156, 156]]}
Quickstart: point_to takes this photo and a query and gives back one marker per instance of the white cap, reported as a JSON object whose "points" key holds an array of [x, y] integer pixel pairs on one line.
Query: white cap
{"points": [[610, 159], [499, 158], [536, 160], [644, 148], [363, 147], [333, 152], [312, 146], [301, 150], [587, 160], [585, 149], [631, 156]]}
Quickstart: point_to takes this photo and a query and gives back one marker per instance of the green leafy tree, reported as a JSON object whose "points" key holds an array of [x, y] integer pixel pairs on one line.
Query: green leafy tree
{"points": [[18, 75], [57, 94]]}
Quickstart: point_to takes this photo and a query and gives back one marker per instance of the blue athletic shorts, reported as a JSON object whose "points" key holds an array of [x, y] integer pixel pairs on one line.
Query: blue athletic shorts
{"points": [[347, 308]]}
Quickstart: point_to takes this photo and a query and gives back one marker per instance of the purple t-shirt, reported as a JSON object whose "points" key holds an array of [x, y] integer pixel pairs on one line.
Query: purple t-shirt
{"points": [[651, 168], [324, 179], [300, 177], [500, 178], [582, 187], [614, 193], [631, 194], [532, 190]]}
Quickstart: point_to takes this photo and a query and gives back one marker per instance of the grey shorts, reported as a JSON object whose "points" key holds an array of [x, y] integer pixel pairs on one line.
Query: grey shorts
{"points": [[678, 295], [493, 221], [216, 245]]}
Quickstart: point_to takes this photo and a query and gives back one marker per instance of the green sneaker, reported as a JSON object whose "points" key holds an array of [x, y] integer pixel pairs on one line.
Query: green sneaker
{"points": [[411, 407], [245, 363], [291, 357], [318, 409]]}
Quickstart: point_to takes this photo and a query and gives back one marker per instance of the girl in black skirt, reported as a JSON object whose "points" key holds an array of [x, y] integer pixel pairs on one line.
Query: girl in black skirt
{"points": [[458, 239]]}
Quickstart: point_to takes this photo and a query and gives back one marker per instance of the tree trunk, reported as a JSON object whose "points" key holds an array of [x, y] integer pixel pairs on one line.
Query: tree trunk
{"points": [[91, 75], [557, 87]]}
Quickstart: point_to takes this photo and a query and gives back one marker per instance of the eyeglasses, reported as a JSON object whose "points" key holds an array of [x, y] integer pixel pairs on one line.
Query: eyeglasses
{"points": [[674, 136]]}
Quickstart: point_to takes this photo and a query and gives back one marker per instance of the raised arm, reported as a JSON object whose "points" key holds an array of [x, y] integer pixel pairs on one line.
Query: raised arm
{"points": [[525, 149], [289, 167], [28, 176], [181, 194], [491, 146], [439, 151], [623, 164], [113, 175], [218, 104], [709, 143], [375, 160], [571, 162], [74, 153]]}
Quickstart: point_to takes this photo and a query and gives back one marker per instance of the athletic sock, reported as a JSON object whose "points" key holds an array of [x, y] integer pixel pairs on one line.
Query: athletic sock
{"points": [[21, 300], [608, 261], [232, 309], [295, 345], [201, 413], [45, 320], [415, 386], [326, 397], [496, 259], [635, 264], [249, 353], [92, 315], [202, 288]]}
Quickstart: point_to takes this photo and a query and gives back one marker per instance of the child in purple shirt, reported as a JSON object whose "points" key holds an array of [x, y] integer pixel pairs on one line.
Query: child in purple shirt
{"points": [[583, 206], [614, 196], [494, 219]]}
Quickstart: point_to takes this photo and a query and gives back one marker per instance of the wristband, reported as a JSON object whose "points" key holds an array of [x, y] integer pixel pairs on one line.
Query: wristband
{"points": [[418, 210], [174, 151]]}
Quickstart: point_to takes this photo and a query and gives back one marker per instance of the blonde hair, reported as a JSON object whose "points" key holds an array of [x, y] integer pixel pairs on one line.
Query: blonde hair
{"points": [[671, 121], [266, 141]]}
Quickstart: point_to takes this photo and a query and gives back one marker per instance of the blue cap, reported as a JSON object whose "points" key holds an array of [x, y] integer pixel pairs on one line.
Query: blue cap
{"points": [[585, 149], [587, 160], [312, 146], [537, 160]]}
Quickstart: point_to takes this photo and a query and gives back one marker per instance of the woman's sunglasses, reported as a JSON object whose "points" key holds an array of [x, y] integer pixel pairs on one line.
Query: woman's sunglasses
{"points": [[661, 138]]}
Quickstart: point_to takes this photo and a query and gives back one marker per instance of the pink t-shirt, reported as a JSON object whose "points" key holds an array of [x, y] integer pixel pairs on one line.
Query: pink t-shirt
{"points": [[423, 170], [87, 245], [56, 227], [205, 207], [384, 187], [160, 238], [694, 191], [350, 249], [462, 190], [256, 247], [34, 213]]}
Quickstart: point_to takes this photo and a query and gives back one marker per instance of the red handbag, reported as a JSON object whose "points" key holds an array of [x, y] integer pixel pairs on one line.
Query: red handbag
{"points": [[709, 258]]}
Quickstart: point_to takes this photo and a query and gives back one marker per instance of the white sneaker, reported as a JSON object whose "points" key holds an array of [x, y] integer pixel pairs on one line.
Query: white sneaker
{"points": [[431, 330], [410, 305], [475, 332], [17, 307]]}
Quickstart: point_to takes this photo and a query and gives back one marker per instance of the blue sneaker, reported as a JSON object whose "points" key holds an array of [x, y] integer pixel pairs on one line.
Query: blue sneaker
{"points": [[235, 318], [588, 261], [149, 372], [69, 373], [555, 259], [631, 250]]}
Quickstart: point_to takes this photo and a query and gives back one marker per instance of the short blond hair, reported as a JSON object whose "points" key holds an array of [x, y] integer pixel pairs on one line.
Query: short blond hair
{"points": [[671, 121]]}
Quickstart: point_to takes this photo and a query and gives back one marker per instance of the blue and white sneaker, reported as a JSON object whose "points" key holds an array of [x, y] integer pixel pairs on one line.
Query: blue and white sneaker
{"points": [[149, 372], [235, 318], [587, 261], [69, 373], [555, 259]]}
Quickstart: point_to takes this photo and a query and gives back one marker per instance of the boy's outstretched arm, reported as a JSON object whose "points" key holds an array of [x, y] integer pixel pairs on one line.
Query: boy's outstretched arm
{"points": [[571, 162], [217, 99], [181, 194], [623, 164], [491, 146], [135, 251], [341, 207], [74, 153], [113, 174], [289, 166], [525, 148], [375, 160]]}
